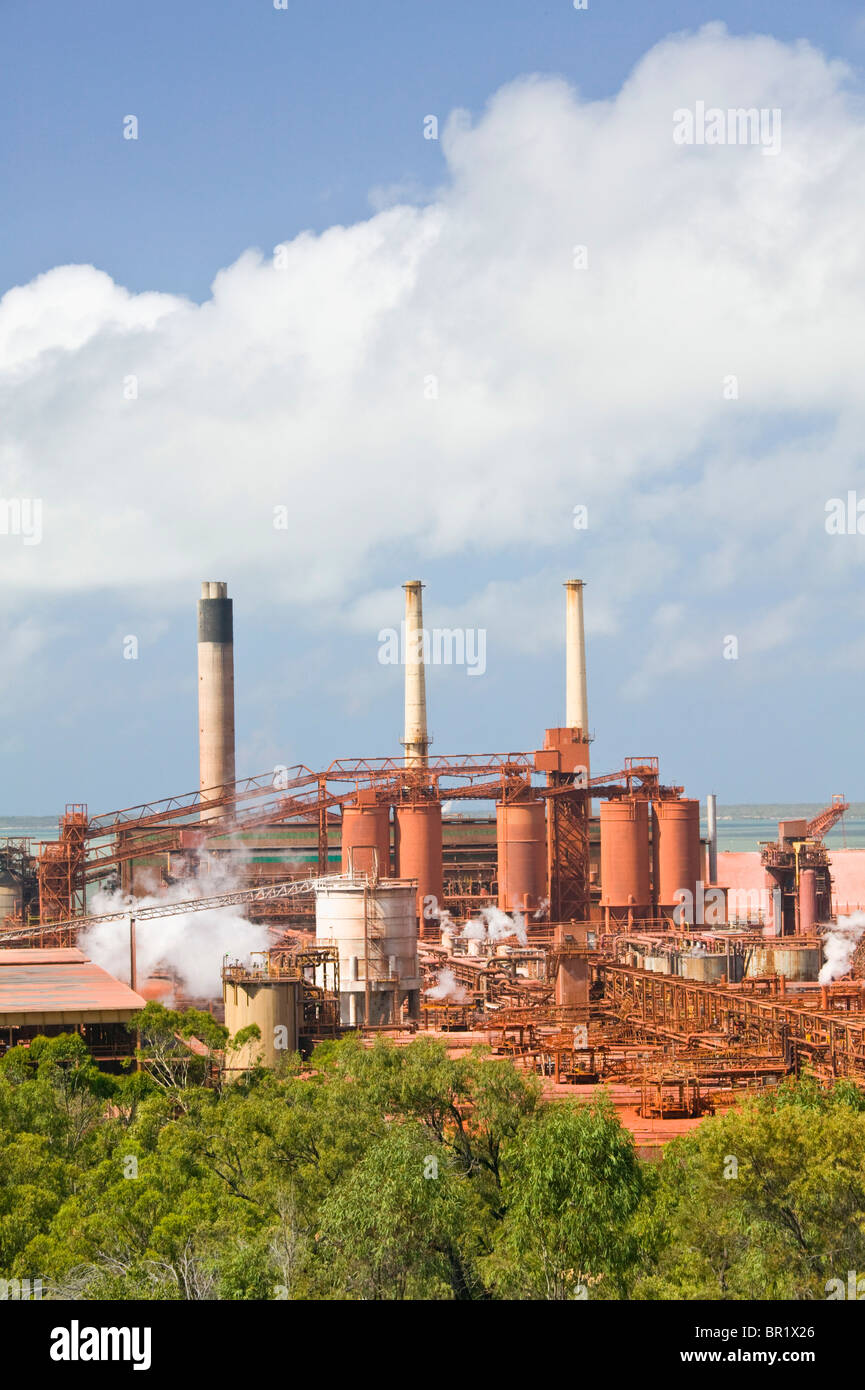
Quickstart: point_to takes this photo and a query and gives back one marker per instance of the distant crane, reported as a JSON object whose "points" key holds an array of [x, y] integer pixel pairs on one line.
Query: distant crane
{"points": [[827, 818]]}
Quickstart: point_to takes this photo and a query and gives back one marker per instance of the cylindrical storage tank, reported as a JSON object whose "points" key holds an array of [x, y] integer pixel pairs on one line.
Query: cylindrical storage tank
{"points": [[272, 1004], [735, 966], [679, 867], [375, 933], [625, 855], [707, 968], [521, 845], [794, 963], [11, 895], [798, 963], [657, 964], [759, 960], [365, 829], [417, 841], [807, 902]]}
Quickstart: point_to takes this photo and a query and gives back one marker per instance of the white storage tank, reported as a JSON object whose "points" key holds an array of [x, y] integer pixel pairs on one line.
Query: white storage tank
{"points": [[374, 929]]}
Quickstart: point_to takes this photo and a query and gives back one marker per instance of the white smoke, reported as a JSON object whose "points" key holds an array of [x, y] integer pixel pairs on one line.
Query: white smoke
{"points": [[474, 931], [839, 945], [495, 925], [447, 988], [192, 944]]}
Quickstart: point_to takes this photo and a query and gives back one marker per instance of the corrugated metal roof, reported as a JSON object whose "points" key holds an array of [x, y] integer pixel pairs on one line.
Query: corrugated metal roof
{"points": [[61, 986], [44, 955]]}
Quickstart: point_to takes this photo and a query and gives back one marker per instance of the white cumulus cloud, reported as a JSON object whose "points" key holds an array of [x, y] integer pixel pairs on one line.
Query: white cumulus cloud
{"points": [[439, 380]]}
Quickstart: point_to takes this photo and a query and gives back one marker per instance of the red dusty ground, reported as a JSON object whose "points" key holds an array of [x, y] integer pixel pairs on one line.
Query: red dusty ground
{"points": [[650, 1135]]}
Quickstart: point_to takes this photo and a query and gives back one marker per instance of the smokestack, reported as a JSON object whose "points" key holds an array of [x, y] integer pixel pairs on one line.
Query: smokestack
{"points": [[712, 829], [416, 740], [576, 695], [215, 689]]}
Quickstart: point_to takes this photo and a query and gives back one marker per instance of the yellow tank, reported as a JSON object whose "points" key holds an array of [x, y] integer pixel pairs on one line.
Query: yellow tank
{"points": [[270, 1002]]}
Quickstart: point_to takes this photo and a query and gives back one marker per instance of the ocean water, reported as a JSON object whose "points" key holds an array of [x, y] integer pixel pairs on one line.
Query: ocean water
{"points": [[740, 827], [744, 827], [33, 828]]}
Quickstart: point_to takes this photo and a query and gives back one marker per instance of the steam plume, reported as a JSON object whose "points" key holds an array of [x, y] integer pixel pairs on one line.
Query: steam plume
{"points": [[447, 988], [839, 945], [191, 944], [495, 925]]}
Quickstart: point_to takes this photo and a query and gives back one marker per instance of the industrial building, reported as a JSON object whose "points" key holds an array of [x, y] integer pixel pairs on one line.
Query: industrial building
{"points": [[577, 921], [52, 991]]}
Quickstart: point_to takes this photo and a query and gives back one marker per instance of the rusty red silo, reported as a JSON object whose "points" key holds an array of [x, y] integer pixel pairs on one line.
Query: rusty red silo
{"points": [[521, 846], [807, 902], [417, 842], [364, 829], [625, 856], [678, 853]]}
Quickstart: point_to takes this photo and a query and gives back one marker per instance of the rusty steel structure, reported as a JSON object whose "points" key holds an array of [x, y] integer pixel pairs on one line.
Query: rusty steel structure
{"points": [[827, 1041], [796, 869], [829, 817], [63, 932], [61, 867], [91, 847], [315, 968], [576, 992]]}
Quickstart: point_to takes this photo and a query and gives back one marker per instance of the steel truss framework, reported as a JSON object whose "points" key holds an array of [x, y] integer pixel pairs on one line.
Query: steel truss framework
{"points": [[91, 846], [830, 1042], [63, 933]]}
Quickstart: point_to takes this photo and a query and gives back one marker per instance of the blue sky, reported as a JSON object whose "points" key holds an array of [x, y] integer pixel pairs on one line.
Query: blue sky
{"points": [[257, 126]]}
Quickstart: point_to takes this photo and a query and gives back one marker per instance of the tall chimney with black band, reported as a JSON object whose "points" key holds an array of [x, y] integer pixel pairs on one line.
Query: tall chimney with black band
{"points": [[215, 690]]}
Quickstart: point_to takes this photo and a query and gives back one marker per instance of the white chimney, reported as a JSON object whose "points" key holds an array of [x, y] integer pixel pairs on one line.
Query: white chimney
{"points": [[416, 740], [576, 695]]}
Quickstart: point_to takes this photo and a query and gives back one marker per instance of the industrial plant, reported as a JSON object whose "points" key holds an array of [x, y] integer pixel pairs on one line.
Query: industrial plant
{"points": [[576, 921]]}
